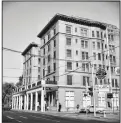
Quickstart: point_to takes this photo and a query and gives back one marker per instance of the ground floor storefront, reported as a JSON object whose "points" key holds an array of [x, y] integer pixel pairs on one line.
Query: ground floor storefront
{"points": [[49, 98]]}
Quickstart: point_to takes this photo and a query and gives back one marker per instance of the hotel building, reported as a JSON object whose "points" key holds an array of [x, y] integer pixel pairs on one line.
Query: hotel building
{"points": [[72, 49]]}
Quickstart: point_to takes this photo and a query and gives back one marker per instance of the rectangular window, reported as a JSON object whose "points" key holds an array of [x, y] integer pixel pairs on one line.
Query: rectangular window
{"points": [[48, 47], [93, 43], [54, 31], [68, 53], [54, 66], [43, 61], [82, 43], [101, 82], [48, 36], [38, 77], [95, 66], [114, 59], [48, 58], [69, 65], [38, 69], [97, 34], [48, 69], [102, 46], [86, 44], [94, 56], [43, 72], [54, 55], [103, 57], [69, 79], [38, 60], [98, 45], [68, 29], [112, 82], [44, 51], [111, 69], [54, 78], [84, 32], [99, 56], [75, 29], [54, 43], [84, 55], [101, 35], [116, 83], [96, 81], [93, 35], [68, 41], [84, 81], [83, 66], [44, 40], [76, 52], [76, 64]]}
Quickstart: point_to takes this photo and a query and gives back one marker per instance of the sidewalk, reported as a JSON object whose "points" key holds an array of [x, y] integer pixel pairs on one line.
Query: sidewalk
{"points": [[109, 117]]}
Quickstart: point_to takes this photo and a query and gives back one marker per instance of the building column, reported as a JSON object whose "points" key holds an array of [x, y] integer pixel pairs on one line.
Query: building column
{"points": [[14, 102], [19, 102], [24, 102], [36, 101], [42, 100], [31, 101], [49, 98], [52, 99], [27, 101]]}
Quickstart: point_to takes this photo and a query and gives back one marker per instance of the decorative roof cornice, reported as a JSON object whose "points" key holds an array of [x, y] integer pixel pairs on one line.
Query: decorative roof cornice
{"points": [[72, 19], [29, 47]]}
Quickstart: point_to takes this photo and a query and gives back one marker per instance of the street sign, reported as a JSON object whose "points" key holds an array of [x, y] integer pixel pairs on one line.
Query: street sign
{"points": [[101, 73]]}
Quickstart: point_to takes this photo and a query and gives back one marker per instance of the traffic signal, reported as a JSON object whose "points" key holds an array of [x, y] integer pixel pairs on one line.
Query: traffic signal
{"points": [[109, 95], [90, 91]]}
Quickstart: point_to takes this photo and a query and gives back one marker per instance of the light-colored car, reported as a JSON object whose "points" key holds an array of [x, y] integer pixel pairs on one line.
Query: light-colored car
{"points": [[90, 109]]}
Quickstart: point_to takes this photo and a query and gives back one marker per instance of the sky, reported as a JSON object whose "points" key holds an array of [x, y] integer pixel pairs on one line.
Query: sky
{"points": [[22, 22]]}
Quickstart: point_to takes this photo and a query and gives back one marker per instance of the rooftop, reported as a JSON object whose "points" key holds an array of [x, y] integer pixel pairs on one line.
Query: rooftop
{"points": [[33, 44], [77, 20]]}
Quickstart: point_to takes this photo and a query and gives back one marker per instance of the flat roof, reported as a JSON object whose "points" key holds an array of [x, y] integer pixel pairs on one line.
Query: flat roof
{"points": [[77, 20], [29, 47]]}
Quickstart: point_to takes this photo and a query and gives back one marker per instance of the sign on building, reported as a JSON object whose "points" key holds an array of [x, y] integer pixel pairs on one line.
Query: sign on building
{"points": [[101, 73]]}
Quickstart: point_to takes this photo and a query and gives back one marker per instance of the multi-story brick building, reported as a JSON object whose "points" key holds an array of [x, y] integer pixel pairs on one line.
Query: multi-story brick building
{"points": [[69, 47]]}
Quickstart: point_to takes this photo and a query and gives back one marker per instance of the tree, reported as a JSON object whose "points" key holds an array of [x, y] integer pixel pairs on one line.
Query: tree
{"points": [[7, 90], [20, 81]]}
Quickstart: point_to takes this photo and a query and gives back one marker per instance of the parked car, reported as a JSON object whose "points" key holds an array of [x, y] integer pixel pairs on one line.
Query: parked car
{"points": [[6, 108], [90, 109]]}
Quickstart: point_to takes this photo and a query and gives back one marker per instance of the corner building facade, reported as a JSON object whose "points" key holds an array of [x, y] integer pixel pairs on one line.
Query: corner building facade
{"points": [[72, 51]]}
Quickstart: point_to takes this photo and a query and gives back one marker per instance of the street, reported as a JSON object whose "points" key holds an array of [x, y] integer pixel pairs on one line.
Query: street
{"points": [[28, 117]]}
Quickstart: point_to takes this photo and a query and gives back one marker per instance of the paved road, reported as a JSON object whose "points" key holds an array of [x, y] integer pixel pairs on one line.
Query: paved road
{"points": [[28, 117]]}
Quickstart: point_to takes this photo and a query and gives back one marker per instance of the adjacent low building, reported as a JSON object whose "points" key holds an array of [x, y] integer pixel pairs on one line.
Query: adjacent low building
{"points": [[71, 51]]}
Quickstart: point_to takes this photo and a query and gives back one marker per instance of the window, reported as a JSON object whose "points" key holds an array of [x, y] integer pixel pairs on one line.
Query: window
{"points": [[112, 82], [103, 56], [44, 51], [69, 79], [38, 77], [43, 72], [38, 60], [54, 43], [94, 55], [105, 46], [93, 43], [76, 64], [76, 52], [76, 41], [68, 53], [54, 30], [102, 46], [54, 78], [48, 58], [48, 69], [54, 54], [99, 56], [43, 61], [106, 56], [98, 45], [86, 81], [85, 67], [95, 66], [48, 36], [48, 47], [68, 29], [54, 66], [70, 99], [116, 83], [69, 65], [96, 81], [111, 69], [93, 35], [101, 35], [101, 82], [104, 35], [84, 55], [100, 66], [68, 41], [44, 40], [105, 81], [84, 44], [97, 34], [38, 69], [84, 32], [75, 29], [114, 59]]}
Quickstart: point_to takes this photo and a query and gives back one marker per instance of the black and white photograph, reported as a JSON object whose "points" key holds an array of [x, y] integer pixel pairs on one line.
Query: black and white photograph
{"points": [[60, 62]]}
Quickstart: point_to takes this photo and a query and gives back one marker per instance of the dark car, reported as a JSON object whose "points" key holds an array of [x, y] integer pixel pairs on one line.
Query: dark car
{"points": [[6, 108]]}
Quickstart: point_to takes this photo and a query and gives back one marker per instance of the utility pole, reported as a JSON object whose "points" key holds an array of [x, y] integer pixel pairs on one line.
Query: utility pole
{"points": [[92, 65]]}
